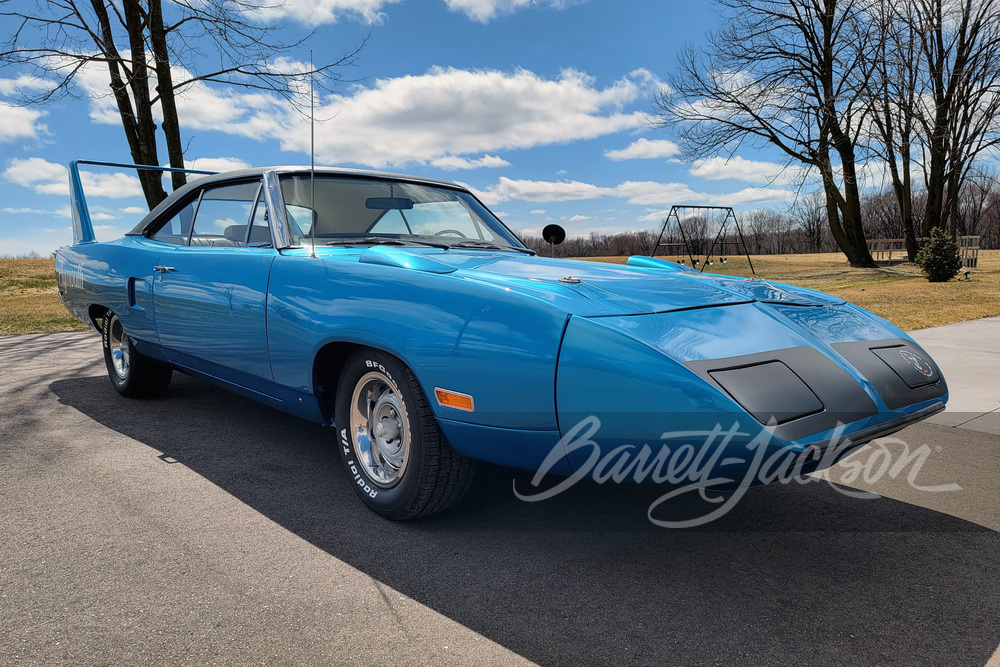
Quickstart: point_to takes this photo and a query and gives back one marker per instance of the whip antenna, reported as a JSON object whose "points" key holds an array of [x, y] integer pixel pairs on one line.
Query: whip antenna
{"points": [[312, 155]]}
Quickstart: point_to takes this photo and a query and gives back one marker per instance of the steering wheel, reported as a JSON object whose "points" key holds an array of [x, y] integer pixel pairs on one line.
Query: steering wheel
{"points": [[444, 232]]}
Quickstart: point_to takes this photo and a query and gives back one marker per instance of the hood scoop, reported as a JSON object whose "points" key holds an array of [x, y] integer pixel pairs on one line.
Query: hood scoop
{"points": [[403, 259]]}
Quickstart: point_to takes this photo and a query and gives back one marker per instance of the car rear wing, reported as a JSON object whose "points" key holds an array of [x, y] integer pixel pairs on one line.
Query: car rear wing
{"points": [[83, 227]]}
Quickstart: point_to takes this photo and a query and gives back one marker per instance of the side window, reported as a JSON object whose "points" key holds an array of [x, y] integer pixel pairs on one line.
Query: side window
{"points": [[260, 234], [177, 229], [223, 215]]}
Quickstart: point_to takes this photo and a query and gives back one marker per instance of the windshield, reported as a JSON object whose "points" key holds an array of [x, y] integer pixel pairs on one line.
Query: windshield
{"points": [[361, 210]]}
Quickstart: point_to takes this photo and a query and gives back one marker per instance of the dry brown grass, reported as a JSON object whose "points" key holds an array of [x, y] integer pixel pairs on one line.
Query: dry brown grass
{"points": [[900, 293], [29, 302]]}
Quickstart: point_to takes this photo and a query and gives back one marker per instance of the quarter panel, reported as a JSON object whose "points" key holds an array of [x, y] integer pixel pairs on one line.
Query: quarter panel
{"points": [[99, 273]]}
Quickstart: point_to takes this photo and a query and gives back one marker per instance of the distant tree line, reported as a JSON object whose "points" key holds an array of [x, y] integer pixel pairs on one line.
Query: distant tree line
{"points": [[802, 229]]}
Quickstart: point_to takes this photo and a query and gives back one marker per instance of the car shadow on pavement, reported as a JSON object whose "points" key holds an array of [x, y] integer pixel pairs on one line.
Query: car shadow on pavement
{"points": [[795, 573]]}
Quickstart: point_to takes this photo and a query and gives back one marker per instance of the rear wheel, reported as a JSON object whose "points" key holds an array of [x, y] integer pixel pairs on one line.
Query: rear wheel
{"points": [[132, 373], [399, 462]]}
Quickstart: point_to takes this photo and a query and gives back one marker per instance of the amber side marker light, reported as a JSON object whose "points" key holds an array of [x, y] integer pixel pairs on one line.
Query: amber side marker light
{"points": [[453, 399]]}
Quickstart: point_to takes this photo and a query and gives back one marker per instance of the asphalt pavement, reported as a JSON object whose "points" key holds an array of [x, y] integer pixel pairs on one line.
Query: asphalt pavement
{"points": [[203, 528]]}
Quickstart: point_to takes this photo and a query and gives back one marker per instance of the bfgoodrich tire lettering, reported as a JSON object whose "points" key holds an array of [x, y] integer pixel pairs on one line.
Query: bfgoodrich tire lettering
{"points": [[132, 373], [396, 458]]}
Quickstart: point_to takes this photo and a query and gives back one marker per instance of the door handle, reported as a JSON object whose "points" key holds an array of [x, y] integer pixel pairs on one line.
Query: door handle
{"points": [[163, 269]]}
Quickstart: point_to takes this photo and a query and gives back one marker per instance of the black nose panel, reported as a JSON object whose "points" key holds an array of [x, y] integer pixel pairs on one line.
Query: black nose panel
{"points": [[803, 390], [901, 372], [913, 368], [769, 390]]}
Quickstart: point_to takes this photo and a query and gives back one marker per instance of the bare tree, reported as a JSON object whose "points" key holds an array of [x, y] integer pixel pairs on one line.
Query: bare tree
{"points": [[784, 73], [894, 91], [809, 214], [143, 48], [882, 217], [979, 204], [960, 45]]}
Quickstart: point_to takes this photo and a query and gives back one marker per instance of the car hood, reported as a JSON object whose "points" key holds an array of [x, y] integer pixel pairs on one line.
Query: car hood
{"points": [[585, 288]]}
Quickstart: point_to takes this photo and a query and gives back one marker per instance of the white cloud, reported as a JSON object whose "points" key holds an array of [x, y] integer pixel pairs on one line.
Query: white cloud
{"points": [[102, 217], [21, 84], [50, 178], [541, 191], [645, 149], [19, 122], [579, 218], [319, 12], [134, 210], [538, 211], [453, 162], [450, 112], [26, 210], [750, 171], [216, 164], [642, 193], [486, 10], [32, 170], [451, 118]]}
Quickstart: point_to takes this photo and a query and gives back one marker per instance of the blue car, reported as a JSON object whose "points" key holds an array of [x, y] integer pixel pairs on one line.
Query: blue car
{"points": [[403, 313]]}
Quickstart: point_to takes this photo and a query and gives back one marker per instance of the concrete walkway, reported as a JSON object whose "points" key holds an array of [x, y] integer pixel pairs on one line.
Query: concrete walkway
{"points": [[969, 356]]}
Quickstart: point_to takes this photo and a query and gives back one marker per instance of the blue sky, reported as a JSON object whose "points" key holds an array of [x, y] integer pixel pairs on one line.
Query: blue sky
{"points": [[541, 106]]}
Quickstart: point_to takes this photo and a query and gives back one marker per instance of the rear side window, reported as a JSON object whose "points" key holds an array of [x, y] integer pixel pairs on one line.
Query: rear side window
{"points": [[177, 229]]}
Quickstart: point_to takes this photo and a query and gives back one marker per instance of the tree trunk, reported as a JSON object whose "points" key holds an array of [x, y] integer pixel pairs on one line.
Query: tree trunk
{"points": [[151, 187], [933, 214], [848, 231], [954, 185], [139, 83], [852, 230], [834, 205], [165, 89], [851, 211]]}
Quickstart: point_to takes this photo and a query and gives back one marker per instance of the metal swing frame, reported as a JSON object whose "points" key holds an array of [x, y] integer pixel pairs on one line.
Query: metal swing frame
{"points": [[730, 216]]}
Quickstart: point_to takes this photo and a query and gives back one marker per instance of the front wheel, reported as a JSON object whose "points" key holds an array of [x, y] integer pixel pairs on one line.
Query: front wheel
{"points": [[399, 462], [132, 373]]}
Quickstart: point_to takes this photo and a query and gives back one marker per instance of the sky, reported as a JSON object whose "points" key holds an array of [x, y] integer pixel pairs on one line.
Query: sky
{"points": [[543, 107]]}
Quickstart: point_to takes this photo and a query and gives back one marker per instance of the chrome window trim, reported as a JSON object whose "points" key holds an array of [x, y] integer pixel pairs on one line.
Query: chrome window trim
{"points": [[194, 218], [253, 213], [253, 216], [276, 218]]}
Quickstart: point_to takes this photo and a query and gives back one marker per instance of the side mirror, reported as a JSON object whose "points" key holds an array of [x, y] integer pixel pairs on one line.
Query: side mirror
{"points": [[553, 234]]}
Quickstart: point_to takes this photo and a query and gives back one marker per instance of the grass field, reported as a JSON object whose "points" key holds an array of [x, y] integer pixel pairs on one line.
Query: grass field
{"points": [[29, 302]]}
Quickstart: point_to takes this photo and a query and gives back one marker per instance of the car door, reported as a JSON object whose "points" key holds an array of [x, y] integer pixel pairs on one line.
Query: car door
{"points": [[210, 285]]}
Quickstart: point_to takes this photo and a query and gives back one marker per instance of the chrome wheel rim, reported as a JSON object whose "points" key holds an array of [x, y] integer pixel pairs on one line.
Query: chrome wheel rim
{"points": [[379, 429], [118, 344]]}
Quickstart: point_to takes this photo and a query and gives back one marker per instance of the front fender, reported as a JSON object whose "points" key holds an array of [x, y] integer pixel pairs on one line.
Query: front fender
{"points": [[458, 334]]}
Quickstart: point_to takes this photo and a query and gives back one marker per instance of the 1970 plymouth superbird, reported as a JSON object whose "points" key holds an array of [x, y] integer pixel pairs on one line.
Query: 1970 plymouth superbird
{"points": [[403, 312]]}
